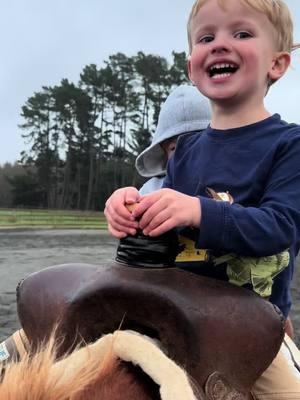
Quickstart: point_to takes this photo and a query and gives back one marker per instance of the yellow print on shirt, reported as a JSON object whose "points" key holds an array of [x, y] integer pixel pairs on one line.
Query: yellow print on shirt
{"points": [[189, 253]]}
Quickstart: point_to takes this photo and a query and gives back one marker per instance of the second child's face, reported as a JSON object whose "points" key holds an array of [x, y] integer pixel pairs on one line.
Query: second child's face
{"points": [[233, 52], [169, 146]]}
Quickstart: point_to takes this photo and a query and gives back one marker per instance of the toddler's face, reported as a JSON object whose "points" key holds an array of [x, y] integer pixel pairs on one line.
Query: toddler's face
{"points": [[233, 52], [169, 146]]}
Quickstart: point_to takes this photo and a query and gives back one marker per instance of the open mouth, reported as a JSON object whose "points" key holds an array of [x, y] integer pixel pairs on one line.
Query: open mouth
{"points": [[222, 70]]}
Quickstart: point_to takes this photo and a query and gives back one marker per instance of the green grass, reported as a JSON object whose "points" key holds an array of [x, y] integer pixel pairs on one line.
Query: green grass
{"points": [[23, 218]]}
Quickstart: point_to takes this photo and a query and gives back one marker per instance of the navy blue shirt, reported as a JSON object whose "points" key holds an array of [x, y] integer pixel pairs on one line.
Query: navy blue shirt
{"points": [[259, 165]]}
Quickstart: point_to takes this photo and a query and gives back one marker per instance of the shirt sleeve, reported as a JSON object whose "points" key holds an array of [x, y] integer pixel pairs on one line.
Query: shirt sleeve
{"points": [[271, 227]]}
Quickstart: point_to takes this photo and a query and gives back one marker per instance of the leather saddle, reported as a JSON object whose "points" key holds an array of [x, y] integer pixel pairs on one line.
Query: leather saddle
{"points": [[207, 326]]}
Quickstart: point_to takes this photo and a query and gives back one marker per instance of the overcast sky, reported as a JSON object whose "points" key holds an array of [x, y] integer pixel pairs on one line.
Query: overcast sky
{"points": [[45, 41]]}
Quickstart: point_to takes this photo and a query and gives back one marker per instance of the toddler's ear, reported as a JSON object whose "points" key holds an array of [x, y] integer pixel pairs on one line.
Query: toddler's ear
{"points": [[279, 66], [189, 69]]}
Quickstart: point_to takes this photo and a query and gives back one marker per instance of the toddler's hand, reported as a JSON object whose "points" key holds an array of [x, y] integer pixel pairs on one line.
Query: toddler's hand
{"points": [[166, 209], [119, 218]]}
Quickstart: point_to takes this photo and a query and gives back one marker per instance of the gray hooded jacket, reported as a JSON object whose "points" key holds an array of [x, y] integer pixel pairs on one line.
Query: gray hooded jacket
{"points": [[185, 110]]}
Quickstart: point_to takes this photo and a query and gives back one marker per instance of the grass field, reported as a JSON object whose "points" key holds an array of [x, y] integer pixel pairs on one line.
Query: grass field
{"points": [[52, 219]]}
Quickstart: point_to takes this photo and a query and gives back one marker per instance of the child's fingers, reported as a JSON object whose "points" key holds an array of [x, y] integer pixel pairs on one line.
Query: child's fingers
{"points": [[116, 203], [119, 212], [154, 216], [159, 218], [119, 218], [131, 195], [128, 230], [118, 222], [145, 203], [119, 234], [162, 228]]}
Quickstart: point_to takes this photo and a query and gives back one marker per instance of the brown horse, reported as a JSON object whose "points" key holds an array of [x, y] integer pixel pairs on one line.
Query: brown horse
{"points": [[97, 372], [223, 336]]}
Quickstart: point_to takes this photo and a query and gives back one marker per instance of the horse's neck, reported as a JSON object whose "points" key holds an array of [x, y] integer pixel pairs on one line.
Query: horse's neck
{"points": [[124, 382]]}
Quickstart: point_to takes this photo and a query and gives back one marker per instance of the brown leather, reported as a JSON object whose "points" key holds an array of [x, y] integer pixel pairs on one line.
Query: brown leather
{"points": [[206, 325]]}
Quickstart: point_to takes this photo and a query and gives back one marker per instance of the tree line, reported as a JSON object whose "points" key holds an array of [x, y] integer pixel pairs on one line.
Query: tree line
{"points": [[83, 138]]}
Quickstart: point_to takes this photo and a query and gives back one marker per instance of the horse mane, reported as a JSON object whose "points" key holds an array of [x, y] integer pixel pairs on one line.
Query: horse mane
{"points": [[36, 377]]}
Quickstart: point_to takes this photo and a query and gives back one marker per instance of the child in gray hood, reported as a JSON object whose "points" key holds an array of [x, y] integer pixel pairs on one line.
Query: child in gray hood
{"points": [[185, 110]]}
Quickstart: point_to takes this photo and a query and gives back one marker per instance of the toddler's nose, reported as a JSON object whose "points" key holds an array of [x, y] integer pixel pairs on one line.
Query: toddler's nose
{"points": [[221, 45]]}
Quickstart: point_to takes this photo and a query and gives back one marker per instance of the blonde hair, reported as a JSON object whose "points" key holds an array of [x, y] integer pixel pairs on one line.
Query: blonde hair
{"points": [[276, 11], [82, 375], [37, 376]]}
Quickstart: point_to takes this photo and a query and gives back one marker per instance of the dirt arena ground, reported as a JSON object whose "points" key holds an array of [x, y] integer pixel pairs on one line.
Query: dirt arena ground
{"points": [[25, 251]]}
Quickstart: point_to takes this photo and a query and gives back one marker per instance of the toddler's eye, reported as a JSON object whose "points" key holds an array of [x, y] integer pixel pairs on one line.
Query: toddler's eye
{"points": [[242, 35], [206, 39]]}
